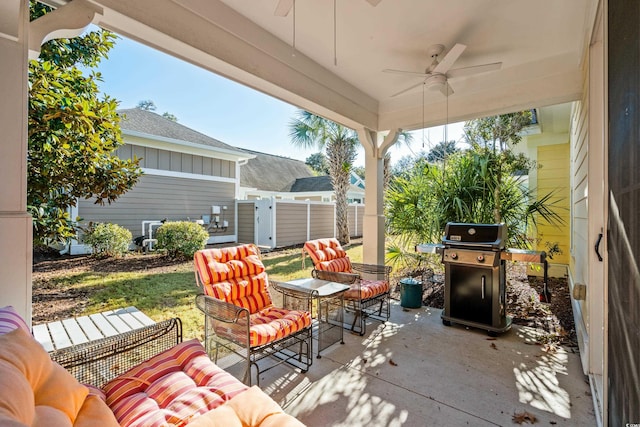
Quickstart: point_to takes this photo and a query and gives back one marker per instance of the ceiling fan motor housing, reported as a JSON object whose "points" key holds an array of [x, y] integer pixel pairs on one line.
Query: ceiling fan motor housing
{"points": [[435, 81]]}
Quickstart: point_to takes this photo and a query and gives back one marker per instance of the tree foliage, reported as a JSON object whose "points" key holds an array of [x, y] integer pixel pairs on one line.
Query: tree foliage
{"points": [[339, 143], [441, 151], [72, 134], [476, 186], [318, 163], [147, 105], [169, 116]]}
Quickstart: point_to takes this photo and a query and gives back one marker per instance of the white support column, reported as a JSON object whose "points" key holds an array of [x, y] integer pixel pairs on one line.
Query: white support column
{"points": [[373, 234], [16, 248]]}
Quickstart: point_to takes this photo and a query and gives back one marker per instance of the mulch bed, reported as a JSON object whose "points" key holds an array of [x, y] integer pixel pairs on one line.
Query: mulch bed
{"points": [[555, 319]]}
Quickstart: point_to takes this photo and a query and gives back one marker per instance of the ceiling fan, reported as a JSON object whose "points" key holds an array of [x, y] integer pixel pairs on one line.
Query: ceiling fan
{"points": [[438, 73], [284, 6]]}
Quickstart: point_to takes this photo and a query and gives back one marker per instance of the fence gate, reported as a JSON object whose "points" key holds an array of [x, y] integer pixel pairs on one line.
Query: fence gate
{"points": [[264, 222]]}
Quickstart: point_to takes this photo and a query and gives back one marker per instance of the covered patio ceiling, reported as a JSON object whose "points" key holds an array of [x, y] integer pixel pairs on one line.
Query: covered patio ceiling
{"points": [[541, 46]]}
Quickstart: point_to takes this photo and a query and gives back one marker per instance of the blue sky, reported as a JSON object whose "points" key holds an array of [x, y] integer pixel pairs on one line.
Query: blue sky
{"points": [[213, 105]]}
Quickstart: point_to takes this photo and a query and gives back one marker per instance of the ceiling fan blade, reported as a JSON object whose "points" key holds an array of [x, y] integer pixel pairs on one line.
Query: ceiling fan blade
{"points": [[467, 71], [449, 59], [374, 3], [407, 89], [411, 73], [283, 7]]}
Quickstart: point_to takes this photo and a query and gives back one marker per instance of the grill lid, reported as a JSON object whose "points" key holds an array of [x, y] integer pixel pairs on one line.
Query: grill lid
{"points": [[490, 236]]}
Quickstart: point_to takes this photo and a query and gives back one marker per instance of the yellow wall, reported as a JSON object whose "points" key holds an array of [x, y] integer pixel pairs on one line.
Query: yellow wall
{"points": [[553, 176]]}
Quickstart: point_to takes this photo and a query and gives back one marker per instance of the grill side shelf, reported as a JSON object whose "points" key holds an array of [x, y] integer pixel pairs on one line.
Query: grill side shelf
{"points": [[523, 255]]}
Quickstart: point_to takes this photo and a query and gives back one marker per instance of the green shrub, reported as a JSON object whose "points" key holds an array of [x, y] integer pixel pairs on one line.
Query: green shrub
{"points": [[181, 238], [108, 239]]}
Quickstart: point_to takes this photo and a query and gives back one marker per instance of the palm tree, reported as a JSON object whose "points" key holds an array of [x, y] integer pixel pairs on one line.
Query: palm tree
{"points": [[339, 143]]}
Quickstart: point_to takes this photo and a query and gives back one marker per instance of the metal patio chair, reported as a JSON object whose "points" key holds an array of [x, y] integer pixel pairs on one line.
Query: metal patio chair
{"points": [[370, 285]]}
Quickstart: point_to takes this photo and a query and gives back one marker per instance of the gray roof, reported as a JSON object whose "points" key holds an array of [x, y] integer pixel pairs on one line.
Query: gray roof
{"points": [[268, 172], [148, 122], [314, 183]]}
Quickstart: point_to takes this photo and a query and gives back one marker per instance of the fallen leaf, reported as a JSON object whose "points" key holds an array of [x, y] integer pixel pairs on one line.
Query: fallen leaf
{"points": [[522, 417], [493, 346], [392, 363]]}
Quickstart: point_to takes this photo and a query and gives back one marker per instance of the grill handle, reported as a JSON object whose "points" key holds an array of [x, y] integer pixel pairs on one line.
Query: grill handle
{"points": [[484, 282]]}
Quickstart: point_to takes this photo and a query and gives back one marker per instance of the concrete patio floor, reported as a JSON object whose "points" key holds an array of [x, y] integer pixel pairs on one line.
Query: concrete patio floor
{"points": [[414, 371]]}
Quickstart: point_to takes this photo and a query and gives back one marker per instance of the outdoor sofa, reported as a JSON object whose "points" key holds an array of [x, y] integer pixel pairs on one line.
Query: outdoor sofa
{"points": [[145, 377]]}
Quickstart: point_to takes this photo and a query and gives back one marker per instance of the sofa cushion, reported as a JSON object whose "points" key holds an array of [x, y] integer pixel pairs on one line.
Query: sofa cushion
{"points": [[38, 392], [250, 408], [171, 388], [10, 320]]}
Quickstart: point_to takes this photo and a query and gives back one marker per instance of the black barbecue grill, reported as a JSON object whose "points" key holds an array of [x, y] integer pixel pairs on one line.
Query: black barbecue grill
{"points": [[474, 258], [475, 288]]}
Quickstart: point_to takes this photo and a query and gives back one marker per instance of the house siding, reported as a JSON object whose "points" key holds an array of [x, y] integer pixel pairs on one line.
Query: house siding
{"points": [[553, 177], [155, 197], [159, 159], [578, 261]]}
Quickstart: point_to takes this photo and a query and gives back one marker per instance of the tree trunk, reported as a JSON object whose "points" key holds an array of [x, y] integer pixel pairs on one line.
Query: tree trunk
{"points": [[340, 155]]}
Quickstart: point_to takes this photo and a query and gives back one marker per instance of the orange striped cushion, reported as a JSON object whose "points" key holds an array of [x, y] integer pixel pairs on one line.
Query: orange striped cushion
{"points": [[368, 289], [272, 324], [248, 292], [267, 326], [324, 250], [215, 265], [11, 320], [170, 388], [342, 265]]}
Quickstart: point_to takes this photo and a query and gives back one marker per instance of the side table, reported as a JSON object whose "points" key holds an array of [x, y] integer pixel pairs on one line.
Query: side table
{"points": [[329, 313]]}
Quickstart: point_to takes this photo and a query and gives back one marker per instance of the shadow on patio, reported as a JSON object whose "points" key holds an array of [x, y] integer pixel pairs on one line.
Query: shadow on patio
{"points": [[414, 371]]}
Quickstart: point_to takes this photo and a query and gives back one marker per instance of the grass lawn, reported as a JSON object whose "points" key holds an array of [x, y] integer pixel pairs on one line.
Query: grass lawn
{"points": [[160, 292]]}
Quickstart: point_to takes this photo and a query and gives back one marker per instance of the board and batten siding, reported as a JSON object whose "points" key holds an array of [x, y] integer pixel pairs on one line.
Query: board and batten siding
{"points": [[154, 158], [291, 223], [553, 177], [246, 222], [155, 197]]}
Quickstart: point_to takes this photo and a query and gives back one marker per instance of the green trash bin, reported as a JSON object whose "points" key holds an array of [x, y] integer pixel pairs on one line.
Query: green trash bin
{"points": [[410, 292]]}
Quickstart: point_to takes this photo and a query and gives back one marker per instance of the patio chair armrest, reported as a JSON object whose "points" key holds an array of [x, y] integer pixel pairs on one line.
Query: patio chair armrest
{"points": [[97, 362], [372, 271], [219, 310], [335, 276]]}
